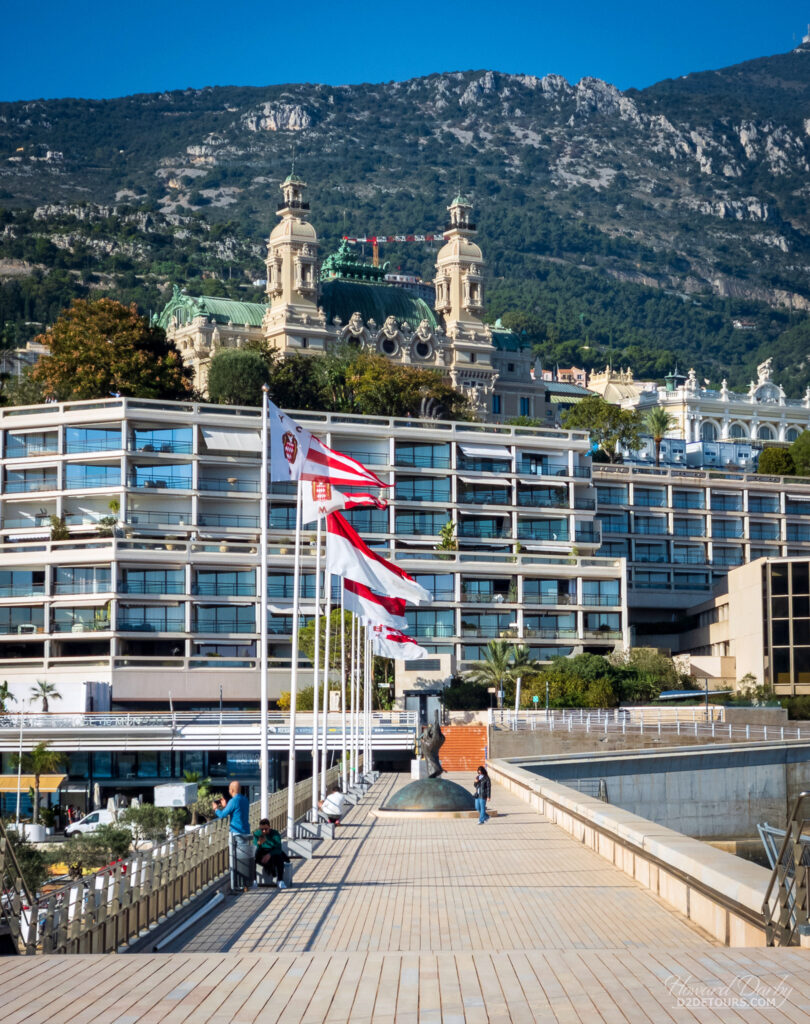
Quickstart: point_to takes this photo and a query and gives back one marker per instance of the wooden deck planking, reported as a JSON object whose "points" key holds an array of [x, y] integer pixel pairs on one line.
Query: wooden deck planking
{"points": [[419, 923]]}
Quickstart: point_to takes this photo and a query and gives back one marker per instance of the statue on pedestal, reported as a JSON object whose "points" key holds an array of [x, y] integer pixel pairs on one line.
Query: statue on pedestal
{"points": [[430, 741]]}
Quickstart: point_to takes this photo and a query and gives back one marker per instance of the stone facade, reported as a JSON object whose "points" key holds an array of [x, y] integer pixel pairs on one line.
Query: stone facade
{"points": [[312, 305]]}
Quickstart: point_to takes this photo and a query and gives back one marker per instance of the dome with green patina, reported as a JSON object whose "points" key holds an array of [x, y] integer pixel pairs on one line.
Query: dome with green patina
{"points": [[185, 308]]}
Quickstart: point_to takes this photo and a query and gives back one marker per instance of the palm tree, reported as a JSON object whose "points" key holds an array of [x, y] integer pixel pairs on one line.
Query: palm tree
{"points": [[523, 664], [40, 761], [44, 691], [496, 667], [659, 423], [5, 697]]}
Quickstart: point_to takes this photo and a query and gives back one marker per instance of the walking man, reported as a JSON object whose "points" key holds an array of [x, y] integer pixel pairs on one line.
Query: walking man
{"points": [[240, 839]]}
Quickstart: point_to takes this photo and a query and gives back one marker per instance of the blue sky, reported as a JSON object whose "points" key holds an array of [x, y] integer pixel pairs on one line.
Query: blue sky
{"points": [[92, 49]]}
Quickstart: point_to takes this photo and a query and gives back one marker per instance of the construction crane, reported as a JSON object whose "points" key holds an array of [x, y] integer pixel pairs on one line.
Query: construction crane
{"points": [[377, 240]]}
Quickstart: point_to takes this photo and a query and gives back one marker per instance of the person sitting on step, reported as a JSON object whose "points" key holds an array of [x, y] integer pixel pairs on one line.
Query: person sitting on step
{"points": [[270, 853]]}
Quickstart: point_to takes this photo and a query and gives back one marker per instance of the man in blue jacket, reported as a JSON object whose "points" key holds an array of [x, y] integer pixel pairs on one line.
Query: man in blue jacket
{"points": [[238, 810]]}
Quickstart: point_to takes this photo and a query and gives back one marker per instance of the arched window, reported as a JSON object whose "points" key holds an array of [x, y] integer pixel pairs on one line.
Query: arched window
{"points": [[765, 433], [737, 431], [708, 432], [791, 433]]}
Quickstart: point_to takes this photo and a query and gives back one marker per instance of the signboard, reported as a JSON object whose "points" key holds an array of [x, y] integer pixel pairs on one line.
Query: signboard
{"points": [[536, 699]]}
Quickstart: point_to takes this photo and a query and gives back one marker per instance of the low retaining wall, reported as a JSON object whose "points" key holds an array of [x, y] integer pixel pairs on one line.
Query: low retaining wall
{"points": [[717, 891]]}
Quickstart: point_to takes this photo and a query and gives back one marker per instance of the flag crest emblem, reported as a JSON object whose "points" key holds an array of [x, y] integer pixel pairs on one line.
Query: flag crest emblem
{"points": [[290, 442], [321, 490]]}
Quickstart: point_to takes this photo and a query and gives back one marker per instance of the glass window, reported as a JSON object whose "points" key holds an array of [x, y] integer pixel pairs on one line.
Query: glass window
{"points": [[496, 404], [611, 495], [177, 477], [429, 455], [781, 631], [103, 764], [781, 665], [779, 579], [601, 592], [543, 529], [549, 625], [801, 632], [91, 475], [424, 488], [151, 618], [154, 581], [801, 664], [282, 517], [431, 623], [162, 440], [419, 523], [474, 464], [440, 585], [21, 481], [488, 624], [237, 583], [92, 439], [232, 618], [800, 577], [281, 585], [602, 621], [18, 446], [81, 579], [801, 606], [21, 620], [368, 520], [525, 407], [477, 495], [737, 430], [542, 497], [549, 591], [147, 764], [21, 582]]}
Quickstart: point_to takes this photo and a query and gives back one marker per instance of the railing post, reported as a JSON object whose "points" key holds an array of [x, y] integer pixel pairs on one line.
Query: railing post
{"points": [[748, 732], [782, 731], [765, 732]]}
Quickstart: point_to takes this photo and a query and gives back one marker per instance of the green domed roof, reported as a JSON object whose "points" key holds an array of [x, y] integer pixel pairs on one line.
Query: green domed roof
{"points": [[341, 298], [219, 310]]}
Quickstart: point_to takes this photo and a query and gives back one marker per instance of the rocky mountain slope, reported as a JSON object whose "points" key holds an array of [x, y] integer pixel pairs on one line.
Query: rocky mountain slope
{"points": [[637, 224]]}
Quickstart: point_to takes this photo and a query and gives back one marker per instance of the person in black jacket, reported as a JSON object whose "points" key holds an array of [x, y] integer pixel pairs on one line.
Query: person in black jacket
{"points": [[483, 788]]}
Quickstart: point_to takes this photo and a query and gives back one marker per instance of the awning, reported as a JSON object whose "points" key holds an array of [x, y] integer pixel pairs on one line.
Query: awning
{"points": [[47, 783], [798, 497], [482, 481], [232, 440], [485, 451]]}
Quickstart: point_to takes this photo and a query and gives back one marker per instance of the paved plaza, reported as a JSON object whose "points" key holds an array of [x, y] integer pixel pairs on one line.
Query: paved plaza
{"points": [[427, 921]]}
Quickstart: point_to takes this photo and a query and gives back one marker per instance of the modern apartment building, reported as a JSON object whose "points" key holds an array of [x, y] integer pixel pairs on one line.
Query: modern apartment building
{"points": [[681, 530], [153, 586], [759, 620]]}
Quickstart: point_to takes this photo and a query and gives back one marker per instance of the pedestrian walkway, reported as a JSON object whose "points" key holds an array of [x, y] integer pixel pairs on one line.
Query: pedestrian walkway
{"points": [[416, 922]]}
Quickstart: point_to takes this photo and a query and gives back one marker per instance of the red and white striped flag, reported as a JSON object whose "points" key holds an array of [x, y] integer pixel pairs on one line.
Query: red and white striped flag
{"points": [[374, 608], [348, 555], [296, 454], [320, 498], [323, 462], [390, 643]]}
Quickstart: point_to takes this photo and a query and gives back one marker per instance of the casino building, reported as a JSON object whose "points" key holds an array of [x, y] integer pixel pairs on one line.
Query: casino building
{"points": [[312, 304]]}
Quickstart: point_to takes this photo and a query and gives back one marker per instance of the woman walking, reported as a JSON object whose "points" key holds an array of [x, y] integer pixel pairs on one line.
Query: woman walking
{"points": [[483, 788]]}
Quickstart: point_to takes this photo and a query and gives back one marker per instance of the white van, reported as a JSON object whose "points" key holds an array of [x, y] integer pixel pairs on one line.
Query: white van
{"points": [[90, 822]]}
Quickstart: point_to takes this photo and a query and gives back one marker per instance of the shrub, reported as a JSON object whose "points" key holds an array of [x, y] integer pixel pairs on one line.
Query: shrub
{"points": [[236, 377], [776, 462]]}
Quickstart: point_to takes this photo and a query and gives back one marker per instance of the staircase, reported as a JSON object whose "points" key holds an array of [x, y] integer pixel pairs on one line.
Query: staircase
{"points": [[464, 747]]}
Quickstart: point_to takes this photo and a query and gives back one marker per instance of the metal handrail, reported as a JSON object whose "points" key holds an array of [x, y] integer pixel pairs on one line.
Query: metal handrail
{"points": [[790, 874]]}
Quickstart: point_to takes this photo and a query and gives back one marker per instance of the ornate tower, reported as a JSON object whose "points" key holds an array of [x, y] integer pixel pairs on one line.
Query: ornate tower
{"points": [[460, 299], [293, 321]]}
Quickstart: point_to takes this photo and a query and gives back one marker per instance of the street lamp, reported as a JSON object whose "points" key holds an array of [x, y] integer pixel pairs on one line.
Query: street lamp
{"points": [[547, 699], [490, 691], [19, 767]]}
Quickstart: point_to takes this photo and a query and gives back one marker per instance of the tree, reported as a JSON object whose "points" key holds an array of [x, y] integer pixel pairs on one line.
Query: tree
{"points": [[40, 761], [5, 697], [96, 849], [448, 541], [152, 823], [659, 423], [496, 668], [31, 861], [306, 640], [237, 376], [202, 805], [610, 427], [776, 462], [382, 388], [800, 451], [102, 347], [45, 692]]}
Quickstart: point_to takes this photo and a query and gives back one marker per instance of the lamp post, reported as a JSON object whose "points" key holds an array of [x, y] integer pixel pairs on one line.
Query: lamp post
{"points": [[491, 690], [547, 700]]}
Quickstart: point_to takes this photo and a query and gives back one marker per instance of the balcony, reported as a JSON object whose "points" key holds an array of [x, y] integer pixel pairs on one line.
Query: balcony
{"points": [[162, 483], [235, 521], [162, 447], [509, 597], [169, 624], [550, 634], [601, 600], [223, 589], [30, 522], [587, 535], [151, 517], [692, 530], [293, 204], [22, 590], [761, 507], [20, 628], [31, 450], [771, 533], [727, 504], [482, 531], [31, 486], [540, 469], [368, 458], [650, 501], [695, 501], [229, 484], [152, 587], [585, 503], [603, 634], [658, 529], [797, 508], [225, 627], [548, 599], [83, 587], [726, 534], [798, 533], [499, 496], [423, 461], [526, 499], [689, 558], [100, 626]]}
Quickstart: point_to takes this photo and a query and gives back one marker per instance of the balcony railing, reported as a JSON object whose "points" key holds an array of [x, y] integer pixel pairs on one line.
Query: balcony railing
{"points": [[538, 469], [601, 600], [763, 534], [698, 530], [225, 627], [530, 501], [293, 204], [91, 447], [236, 521], [32, 450], [603, 634], [171, 624], [491, 598], [225, 589], [797, 508], [152, 587], [689, 558], [524, 533], [585, 503], [162, 483], [546, 599], [423, 461], [31, 486], [21, 628], [229, 484], [83, 587], [584, 535], [650, 501], [162, 447], [762, 508], [368, 458], [484, 498], [102, 626], [658, 529], [147, 517], [551, 634], [696, 502], [726, 534], [22, 590]]}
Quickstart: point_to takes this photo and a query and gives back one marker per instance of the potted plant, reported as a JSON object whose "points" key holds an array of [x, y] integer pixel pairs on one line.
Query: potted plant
{"points": [[448, 542], [107, 524], [59, 529]]}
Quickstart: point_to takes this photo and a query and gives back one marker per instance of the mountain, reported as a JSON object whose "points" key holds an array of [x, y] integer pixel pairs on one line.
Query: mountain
{"points": [[635, 226]]}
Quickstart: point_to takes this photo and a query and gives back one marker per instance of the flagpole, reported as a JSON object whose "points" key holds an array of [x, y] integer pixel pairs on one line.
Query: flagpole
{"points": [[294, 663], [327, 583], [343, 691], [369, 688], [352, 716], [316, 667], [264, 795]]}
